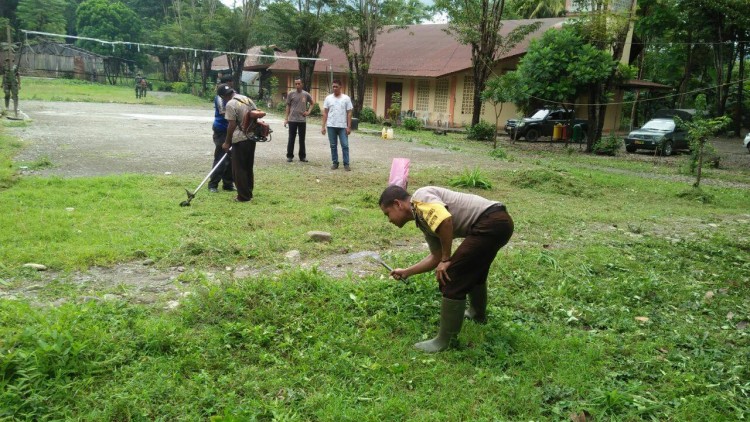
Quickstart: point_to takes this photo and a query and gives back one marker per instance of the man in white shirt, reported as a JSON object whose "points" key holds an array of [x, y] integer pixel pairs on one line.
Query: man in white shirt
{"points": [[337, 122]]}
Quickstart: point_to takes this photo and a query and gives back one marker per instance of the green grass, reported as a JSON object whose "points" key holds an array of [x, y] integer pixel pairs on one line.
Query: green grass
{"points": [[41, 89], [620, 296]]}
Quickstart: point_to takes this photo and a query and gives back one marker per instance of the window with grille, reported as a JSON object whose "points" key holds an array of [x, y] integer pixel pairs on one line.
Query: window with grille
{"points": [[423, 95], [467, 104], [441, 96], [368, 95], [322, 91]]}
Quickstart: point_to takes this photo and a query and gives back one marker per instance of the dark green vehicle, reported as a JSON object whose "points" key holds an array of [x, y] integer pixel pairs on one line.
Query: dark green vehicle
{"points": [[661, 133]]}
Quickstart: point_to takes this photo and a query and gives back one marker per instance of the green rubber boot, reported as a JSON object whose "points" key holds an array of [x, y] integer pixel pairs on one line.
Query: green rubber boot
{"points": [[451, 318], [477, 310]]}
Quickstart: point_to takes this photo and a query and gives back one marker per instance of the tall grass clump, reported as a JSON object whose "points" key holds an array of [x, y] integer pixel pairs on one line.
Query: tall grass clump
{"points": [[471, 179]]}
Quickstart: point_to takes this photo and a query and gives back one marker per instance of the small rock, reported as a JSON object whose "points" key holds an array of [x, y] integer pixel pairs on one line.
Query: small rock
{"points": [[38, 267], [70, 209], [59, 302], [167, 173], [641, 319], [172, 304], [148, 262], [709, 295], [181, 269], [110, 297], [33, 287], [228, 268], [292, 256], [319, 236], [342, 210]]}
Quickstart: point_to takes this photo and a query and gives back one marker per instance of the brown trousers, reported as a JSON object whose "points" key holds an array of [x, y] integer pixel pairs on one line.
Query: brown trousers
{"points": [[470, 262]]}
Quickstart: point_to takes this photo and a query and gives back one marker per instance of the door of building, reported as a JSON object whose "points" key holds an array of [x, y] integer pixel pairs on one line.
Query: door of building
{"points": [[390, 89]]}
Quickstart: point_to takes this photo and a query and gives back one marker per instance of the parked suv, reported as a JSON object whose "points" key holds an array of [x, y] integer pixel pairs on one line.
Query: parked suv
{"points": [[661, 133], [541, 123]]}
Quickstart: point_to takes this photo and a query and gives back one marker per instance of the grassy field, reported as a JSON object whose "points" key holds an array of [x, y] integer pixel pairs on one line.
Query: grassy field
{"points": [[42, 89], [619, 297]]}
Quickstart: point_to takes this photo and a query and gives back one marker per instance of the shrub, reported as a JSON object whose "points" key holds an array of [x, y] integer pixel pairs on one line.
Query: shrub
{"points": [[315, 111], [697, 195], [181, 87], [608, 145], [481, 131], [410, 123], [164, 86], [498, 153], [471, 179], [281, 107], [367, 115]]}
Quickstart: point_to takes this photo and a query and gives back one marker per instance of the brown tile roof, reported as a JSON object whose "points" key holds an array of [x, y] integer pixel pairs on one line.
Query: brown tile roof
{"points": [[252, 62], [418, 50]]}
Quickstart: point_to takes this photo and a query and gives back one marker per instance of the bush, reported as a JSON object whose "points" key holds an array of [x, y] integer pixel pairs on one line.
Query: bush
{"points": [[181, 87], [367, 115], [471, 179], [411, 123], [481, 131], [315, 110], [281, 107], [498, 153], [608, 145], [163, 86]]}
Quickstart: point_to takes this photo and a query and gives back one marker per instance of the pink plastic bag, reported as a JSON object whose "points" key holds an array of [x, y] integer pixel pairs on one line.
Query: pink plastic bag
{"points": [[399, 172]]}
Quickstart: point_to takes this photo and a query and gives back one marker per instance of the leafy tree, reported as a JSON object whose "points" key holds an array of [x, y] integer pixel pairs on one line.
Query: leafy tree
{"points": [[302, 28], [42, 15], [478, 23], [536, 9], [237, 34], [197, 25], [699, 130], [110, 21], [499, 90], [560, 66], [357, 25]]}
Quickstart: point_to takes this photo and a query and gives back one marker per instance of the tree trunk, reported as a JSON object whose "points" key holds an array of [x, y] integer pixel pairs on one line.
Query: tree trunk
{"points": [[687, 73], [740, 89], [697, 183]]}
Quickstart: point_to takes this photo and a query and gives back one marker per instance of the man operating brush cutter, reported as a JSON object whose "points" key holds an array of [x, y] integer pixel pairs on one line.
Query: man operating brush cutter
{"points": [[443, 215]]}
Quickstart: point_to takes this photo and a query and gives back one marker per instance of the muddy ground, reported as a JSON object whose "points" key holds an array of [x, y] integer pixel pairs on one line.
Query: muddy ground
{"points": [[93, 139]]}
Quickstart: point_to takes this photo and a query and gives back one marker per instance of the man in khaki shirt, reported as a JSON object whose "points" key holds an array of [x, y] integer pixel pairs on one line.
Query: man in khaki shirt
{"points": [[243, 148], [298, 105], [443, 215]]}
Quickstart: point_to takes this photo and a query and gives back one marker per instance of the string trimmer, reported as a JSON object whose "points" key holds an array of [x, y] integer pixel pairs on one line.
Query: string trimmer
{"points": [[192, 195]]}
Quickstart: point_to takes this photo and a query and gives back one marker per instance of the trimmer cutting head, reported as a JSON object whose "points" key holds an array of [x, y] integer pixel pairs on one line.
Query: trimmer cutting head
{"points": [[190, 198]]}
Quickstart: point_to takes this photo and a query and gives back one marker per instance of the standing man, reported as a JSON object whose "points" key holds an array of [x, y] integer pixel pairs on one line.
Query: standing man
{"points": [[11, 84], [297, 110], [224, 171], [443, 215], [243, 148], [337, 121]]}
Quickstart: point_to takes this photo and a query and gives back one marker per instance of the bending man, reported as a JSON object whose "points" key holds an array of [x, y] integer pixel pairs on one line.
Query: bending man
{"points": [[443, 215]]}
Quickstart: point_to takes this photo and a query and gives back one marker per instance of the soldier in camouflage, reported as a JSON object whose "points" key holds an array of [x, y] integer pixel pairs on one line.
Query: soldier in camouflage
{"points": [[11, 84]]}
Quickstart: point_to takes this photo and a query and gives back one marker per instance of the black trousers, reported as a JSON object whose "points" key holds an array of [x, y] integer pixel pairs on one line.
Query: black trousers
{"points": [[294, 128], [470, 262], [243, 159], [224, 171]]}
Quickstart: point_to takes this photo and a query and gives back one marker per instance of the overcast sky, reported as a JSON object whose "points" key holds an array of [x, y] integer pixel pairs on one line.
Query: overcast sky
{"points": [[437, 19]]}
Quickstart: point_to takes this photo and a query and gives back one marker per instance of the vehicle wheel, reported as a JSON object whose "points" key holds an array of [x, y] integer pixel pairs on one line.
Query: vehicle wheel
{"points": [[532, 135], [630, 148], [667, 149]]}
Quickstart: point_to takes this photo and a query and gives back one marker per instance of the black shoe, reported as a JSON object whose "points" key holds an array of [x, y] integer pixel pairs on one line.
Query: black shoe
{"points": [[289, 160], [304, 160], [347, 168], [213, 190], [230, 188], [334, 166]]}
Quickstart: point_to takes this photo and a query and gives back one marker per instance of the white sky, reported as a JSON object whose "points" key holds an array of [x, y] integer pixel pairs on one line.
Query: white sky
{"points": [[436, 19]]}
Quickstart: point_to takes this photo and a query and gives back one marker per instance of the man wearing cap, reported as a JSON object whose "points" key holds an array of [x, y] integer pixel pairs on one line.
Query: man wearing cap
{"points": [[243, 148], [224, 171]]}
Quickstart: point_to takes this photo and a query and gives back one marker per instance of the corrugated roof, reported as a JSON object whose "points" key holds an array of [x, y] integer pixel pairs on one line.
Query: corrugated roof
{"points": [[417, 50]]}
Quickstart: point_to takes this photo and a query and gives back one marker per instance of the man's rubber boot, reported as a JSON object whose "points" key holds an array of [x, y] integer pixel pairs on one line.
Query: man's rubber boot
{"points": [[477, 310], [451, 318]]}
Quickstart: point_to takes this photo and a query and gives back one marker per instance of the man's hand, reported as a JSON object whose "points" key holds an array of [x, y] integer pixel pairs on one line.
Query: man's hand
{"points": [[399, 274], [441, 272], [286, 122], [306, 113], [323, 131], [348, 131], [225, 146]]}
